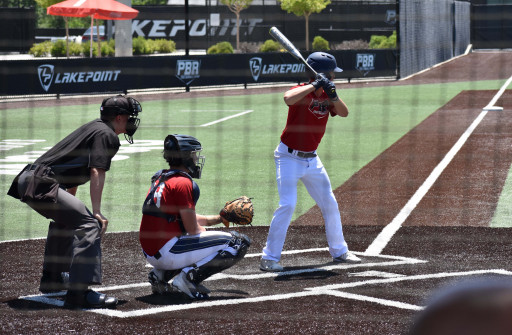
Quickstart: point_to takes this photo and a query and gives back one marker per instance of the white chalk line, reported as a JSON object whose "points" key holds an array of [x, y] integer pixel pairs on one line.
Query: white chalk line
{"points": [[205, 124], [491, 105], [380, 301], [393, 261], [409, 278], [226, 118], [330, 290], [389, 231]]}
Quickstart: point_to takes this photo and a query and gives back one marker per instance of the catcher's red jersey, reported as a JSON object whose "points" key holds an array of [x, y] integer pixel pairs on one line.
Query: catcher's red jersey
{"points": [[170, 196], [306, 122]]}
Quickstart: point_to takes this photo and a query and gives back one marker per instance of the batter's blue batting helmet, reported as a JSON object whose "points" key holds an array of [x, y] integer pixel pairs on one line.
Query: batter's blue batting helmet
{"points": [[323, 62]]}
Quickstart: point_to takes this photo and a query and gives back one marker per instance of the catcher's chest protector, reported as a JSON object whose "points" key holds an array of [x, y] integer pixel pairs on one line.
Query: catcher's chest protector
{"points": [[150, 206]]}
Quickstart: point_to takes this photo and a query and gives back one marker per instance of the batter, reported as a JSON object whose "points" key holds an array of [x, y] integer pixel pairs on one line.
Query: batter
{"points": [[309, 107]]}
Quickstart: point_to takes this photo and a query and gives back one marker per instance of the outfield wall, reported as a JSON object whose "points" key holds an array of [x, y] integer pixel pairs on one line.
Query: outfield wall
{"points": [[117, 74]]}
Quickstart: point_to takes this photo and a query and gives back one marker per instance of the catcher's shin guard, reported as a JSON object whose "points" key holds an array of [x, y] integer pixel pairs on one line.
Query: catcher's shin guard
{"points": [[222, 261]]}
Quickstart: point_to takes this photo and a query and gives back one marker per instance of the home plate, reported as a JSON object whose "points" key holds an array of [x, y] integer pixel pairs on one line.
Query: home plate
{"points": [[493, 109], [380, 274]]}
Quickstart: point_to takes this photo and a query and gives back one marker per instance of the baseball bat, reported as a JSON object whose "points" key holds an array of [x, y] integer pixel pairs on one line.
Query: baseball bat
{"points": [[278, 36]]}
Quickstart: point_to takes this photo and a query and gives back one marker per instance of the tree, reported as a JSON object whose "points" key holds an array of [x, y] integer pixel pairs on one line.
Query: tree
{"points": [[304, 8], [236, 6], [48, 3]]}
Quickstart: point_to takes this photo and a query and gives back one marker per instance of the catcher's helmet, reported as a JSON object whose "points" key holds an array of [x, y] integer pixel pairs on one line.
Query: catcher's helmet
{"points": [[323, 62], [118, 105], [184, 150]]}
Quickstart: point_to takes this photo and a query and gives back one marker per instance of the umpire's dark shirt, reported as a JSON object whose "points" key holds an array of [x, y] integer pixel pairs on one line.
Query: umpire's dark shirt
{"points": [[93, 145]]}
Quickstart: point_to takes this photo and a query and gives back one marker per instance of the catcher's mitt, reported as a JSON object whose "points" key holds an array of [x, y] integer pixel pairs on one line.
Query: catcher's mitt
{"points": [[239, 211]]}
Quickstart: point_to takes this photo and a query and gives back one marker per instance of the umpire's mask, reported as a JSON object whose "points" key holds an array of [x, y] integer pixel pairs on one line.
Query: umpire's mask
{"points": [[123, 105]]}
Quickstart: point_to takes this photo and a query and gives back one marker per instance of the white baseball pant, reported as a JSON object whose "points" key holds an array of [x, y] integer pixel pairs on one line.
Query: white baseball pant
{"points": [[289, 170]]}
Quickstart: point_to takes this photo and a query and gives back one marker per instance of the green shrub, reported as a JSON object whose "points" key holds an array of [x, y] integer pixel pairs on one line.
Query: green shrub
{"points": [[383, 42], [140, 46], [320, 44], [220, 48], [392, 40], [164, 46], [150, 47], [108, 49], [41, 49], [270, 46], [75, 49], [58, 48], [376, 40], [86, 49]]}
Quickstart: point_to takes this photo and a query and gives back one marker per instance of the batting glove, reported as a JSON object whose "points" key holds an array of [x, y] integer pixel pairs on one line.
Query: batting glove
{"points": [[320, 81], [330, 90]]}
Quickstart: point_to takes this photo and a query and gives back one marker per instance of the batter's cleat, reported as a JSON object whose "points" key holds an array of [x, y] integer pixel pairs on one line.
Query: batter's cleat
{"points": [[52, 283], [89, 299], [270, 266], [158, 286], [182, 284], [347, 257]]}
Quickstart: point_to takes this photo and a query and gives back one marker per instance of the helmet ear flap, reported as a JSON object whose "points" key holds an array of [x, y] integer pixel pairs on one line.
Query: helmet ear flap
{"points": [[172, 150], [171, 143]]}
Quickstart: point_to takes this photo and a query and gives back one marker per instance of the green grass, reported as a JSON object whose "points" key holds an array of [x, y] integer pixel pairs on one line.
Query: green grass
{"points": [[239, 151]]}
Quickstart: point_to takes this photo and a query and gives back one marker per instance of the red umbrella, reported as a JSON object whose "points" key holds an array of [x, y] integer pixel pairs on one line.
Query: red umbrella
{"points": [[96, 9]]}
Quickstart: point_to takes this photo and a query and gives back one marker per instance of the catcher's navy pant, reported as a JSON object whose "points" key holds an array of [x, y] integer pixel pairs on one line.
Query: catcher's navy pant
{"points": [[189, 251], [74, 238], [289, 170]]}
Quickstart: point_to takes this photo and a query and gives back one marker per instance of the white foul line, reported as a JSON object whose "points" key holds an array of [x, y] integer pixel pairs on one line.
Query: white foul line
{"points": [[387, 233], [490, 106]]}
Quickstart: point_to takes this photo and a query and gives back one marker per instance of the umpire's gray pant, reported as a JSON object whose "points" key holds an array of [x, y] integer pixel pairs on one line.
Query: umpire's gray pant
{"points": [[74, 238]]}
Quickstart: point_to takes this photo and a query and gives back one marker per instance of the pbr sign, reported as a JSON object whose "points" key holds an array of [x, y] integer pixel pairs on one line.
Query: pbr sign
{"points": [[365, 63], [187, 70]]}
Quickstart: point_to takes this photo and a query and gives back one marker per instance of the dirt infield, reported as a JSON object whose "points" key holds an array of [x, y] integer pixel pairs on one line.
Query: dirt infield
{"points": [[445, 238]]}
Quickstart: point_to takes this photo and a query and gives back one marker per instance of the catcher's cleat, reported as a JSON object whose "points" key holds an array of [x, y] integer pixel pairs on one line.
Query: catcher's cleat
{"points": [[347, 257], [52, 283], [158, 286], [270, 266], [182, 284]]}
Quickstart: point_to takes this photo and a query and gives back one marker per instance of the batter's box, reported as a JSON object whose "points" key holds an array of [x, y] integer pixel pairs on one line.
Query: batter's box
{"points": [[395, 286], [373, 261]]}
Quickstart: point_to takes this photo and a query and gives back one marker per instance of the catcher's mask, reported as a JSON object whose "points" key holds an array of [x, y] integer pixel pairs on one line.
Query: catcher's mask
{"points": [[119, 105], [323, 62], [184, 150]]}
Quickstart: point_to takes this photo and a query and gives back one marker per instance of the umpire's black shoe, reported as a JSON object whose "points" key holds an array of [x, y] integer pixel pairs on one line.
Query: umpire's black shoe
{"points": [[51, 283], [89, 299]]}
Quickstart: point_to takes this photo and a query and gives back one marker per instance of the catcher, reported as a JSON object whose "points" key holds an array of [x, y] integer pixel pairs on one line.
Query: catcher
{"points": [[172, 234]]}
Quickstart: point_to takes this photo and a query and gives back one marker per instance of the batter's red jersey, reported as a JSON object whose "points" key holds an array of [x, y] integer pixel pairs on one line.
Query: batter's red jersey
{"points": [[175, 194], [306, 122]]}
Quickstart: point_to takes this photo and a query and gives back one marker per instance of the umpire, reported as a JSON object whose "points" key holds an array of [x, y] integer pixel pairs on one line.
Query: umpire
{"points": [[72, 257]]}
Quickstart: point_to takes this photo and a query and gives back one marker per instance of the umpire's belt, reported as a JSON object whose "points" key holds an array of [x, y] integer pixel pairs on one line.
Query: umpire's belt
{"points": [[301, 154]]}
